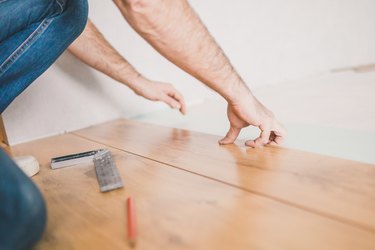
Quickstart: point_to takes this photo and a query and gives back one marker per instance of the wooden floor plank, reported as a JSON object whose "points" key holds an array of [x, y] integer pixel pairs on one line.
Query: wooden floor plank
{"points": [[175, 209], [340, 189]]}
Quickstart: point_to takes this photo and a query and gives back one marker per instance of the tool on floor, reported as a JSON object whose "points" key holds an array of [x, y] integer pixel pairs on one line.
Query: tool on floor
{"points": [[105, 167], [73, 159], [106, 171]]}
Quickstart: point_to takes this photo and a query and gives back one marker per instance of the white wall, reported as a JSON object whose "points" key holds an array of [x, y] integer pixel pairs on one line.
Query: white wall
{"points": [[269, 42]]}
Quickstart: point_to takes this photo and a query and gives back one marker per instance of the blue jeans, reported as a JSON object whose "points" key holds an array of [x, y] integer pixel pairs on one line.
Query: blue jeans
{"points": [[33, 34]]}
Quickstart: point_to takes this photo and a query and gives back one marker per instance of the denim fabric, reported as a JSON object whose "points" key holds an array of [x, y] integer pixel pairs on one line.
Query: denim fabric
{"points": [[33, 34], [22, 208]]}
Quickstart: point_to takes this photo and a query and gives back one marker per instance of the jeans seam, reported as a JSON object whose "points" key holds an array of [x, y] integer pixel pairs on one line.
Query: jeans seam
{"points": [[25, 45], [61, 5]]}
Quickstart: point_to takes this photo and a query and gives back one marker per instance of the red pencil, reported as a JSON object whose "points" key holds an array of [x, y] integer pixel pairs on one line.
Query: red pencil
{"points": [[132, 228]]}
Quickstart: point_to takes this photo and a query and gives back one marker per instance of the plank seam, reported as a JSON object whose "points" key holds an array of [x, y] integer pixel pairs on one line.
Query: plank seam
{"points": [[333, 217]]}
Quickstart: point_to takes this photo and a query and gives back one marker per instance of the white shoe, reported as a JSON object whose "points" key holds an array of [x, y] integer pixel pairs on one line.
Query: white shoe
{"points": [[28, 164]]}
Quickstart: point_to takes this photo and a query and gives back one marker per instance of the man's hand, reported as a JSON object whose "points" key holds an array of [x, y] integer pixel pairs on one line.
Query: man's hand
{"points": [[159, 91], [249, 111]]}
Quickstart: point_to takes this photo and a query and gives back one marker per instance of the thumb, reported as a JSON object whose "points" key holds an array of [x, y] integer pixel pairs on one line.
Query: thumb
{"points": [[231, 136]]}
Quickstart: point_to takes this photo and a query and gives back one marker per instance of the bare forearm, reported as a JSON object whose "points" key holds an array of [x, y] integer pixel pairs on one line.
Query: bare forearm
{"points": [[173, 28], [94, 50]]}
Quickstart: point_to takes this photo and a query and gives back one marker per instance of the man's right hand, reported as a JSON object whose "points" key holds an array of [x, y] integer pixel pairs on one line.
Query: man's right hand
{"points": [[246, 111], [159, 91]]}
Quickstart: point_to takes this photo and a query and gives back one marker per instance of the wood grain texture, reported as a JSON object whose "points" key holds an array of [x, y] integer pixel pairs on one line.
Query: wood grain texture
{"points": [[340, 189], [175, 209], [3, 134]]}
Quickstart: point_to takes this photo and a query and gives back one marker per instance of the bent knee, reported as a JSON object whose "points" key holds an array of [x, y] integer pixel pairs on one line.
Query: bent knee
{"points": [[31, 201], [23, 215], [74, 15], [32, 211]]}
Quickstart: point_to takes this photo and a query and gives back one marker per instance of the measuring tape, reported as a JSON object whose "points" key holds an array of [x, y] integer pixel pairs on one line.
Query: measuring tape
{"points": [[105, 167]]}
